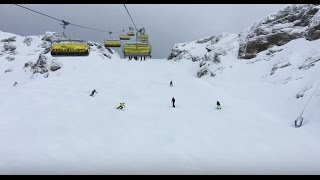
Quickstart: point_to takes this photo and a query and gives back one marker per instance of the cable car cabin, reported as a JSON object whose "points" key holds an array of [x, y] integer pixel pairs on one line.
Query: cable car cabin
{"points": [[124, 37], [130, 33], [70, 47], [112, 43], [136, 49]]}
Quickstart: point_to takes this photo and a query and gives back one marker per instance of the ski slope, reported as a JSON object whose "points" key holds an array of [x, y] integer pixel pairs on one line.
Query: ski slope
{"points": [[52, 126]]}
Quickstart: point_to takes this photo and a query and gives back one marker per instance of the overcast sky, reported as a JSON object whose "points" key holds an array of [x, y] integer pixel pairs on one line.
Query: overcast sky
{"points": [[166, 24]]}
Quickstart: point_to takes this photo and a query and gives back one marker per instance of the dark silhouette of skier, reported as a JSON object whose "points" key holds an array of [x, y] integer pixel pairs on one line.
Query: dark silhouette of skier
{"points": [[173, 101], [171, 84], [92, 93], [218, 105], [15, 83]]}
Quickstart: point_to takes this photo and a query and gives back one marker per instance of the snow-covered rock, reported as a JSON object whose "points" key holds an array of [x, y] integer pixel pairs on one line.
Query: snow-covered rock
{"points": [[44, 64], [8, 70], [32, 53], [211, 51], [102, 50], [193, 51], [9, 39], [293, 22]]}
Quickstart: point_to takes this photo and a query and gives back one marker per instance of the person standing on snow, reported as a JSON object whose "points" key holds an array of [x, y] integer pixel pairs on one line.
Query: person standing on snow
{"points": [[173, 101], [218, 105], [171, 84], [92, 93]]}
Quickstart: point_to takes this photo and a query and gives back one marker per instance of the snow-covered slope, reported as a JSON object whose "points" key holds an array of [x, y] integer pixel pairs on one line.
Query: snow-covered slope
{"points": [[293, 67], [52, 126], [282, 61], [280, 75]]}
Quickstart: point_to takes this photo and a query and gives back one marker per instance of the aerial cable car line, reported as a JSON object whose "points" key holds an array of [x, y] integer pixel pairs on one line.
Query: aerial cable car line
{"points": [[110, 32], [133, 23], [65, 23], [130, 17], [309, 99], [38, 12]]}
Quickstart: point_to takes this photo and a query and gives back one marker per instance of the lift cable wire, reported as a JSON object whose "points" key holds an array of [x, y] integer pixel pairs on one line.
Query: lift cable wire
{"points": [[64, 22], [38, 12], [140, 30], [130, 17], [309, 99], [299, 121], [110, 32]]}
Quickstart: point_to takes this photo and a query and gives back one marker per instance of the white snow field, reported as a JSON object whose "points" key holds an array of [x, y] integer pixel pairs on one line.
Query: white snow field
{"points": [[52, 126]]}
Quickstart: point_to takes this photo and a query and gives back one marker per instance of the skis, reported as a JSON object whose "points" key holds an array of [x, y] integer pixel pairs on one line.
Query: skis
{"points": [[120, 109]]}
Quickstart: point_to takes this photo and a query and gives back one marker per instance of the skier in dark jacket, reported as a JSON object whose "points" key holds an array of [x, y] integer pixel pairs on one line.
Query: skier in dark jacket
{"points": [[218, 105], [92, 93], [171, 84], [173, 101]]}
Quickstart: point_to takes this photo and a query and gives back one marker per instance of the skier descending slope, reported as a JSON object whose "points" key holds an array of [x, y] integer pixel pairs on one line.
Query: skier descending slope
{"points": [[171, 84], [218, 105], [92, 93], [121, 106], [173, 101]]}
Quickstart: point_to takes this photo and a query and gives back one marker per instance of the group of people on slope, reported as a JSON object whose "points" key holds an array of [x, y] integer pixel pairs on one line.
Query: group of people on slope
{"points": [[137, 58], [173, 100], [121, 106]]}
